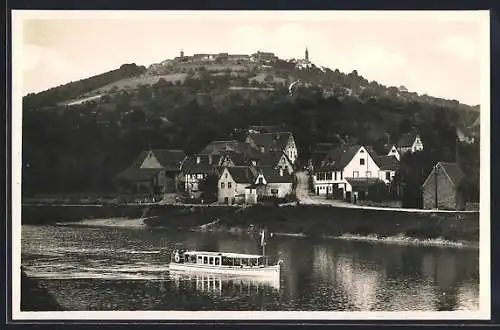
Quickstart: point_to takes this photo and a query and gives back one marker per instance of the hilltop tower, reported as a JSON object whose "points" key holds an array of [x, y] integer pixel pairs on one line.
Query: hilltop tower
{"points": [[182, 52], [307, 55]]}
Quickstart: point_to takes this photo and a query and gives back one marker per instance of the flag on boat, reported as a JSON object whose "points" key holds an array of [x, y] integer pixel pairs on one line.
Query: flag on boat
{"points": [[263, 237]]}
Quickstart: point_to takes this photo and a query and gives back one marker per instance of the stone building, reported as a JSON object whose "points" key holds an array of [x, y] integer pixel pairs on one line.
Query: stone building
{"points": [[441, 188]]}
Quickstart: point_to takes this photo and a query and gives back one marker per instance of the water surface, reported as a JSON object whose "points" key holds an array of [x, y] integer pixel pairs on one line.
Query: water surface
{"points": [[126, 268]]}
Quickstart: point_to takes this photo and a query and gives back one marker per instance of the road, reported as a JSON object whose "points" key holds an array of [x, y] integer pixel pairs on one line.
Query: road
{"points": [[306, 197]]}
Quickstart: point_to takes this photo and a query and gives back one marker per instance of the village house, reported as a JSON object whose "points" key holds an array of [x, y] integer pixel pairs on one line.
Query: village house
{"points": [[273, 182], [343, 168], [441, 188], [154, 171], [393, 151], [465, 135], [388, 167], [409, 142], [194, 170], [247, 184], [233, 182], [274, 142]]}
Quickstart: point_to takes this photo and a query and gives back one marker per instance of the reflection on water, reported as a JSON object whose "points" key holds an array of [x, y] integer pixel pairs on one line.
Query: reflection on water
{"points": [[127, 269]]}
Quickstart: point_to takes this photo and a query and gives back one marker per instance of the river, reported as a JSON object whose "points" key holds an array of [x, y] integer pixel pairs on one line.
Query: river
{"points": [[124, 266]]}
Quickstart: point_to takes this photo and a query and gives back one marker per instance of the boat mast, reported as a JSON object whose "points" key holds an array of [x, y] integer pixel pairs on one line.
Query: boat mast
{"points": [[263, 244]]}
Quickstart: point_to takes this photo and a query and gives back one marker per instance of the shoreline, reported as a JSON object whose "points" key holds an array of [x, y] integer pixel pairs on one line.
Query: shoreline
{"points": [[319, 204], [311, 220]]}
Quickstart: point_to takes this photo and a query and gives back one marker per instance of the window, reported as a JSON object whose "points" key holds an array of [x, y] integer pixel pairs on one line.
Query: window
{"points": [[225, 176], [226, 200], [261, 180], [329, 176], [229, 185], [335, 176], [205, 260], [274, 191], [362, 151], [355, 174], [211, 260], [341, 175], [222, 185], [200, 259], [368, 174], [362, 161], [217, 261], [387, 175]]}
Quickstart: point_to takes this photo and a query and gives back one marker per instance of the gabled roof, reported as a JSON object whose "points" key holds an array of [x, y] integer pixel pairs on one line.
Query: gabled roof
{"points": [[275, 140], [407, 140], [454, 172], [272, 175], [191, 166], [340, 157], [451, 170], [387, 163], [242, 174], [219, 147], [169, 159], [272, 159]]}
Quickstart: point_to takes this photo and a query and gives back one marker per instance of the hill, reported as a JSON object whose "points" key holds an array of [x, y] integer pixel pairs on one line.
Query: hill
{"points": [[90, 130]]}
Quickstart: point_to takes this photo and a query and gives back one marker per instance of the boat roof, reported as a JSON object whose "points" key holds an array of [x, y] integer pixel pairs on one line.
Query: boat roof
{"points": [[224, 254]]}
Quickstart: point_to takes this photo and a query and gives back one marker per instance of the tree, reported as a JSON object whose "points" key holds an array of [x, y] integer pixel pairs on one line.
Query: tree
{"points": [[208, 187]]}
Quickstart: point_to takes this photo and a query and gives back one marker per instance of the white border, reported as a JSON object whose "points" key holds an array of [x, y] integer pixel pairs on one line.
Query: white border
{"points": [[484, 311]]}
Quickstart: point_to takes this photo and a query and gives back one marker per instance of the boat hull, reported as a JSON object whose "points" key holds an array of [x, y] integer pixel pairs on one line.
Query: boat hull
{"points": [[267, 271]]}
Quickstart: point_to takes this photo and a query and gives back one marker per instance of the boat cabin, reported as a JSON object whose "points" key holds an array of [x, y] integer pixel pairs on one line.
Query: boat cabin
{"points": [[220, 259]]}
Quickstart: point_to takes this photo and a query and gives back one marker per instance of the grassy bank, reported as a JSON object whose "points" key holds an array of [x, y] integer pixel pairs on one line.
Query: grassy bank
{"points": [[312, 220]]}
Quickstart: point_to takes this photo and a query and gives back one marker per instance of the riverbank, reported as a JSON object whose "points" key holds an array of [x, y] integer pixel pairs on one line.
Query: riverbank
{"points": [[310, 220]]}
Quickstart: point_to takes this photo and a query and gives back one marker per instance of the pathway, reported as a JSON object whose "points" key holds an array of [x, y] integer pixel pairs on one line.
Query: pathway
{"points": [[306, 197]]}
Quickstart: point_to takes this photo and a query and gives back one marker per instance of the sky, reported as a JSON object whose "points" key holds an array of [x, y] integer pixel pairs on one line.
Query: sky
{"points": [[438, 53]]}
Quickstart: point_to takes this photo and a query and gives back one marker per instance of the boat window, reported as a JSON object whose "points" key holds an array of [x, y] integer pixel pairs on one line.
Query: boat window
{"points": [[237, 261], [217, 261], [193, 259], [211, 260], [200, 259], [226, 261], [205, 260]]}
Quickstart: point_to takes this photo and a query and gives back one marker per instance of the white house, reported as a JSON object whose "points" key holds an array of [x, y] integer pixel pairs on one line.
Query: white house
{"points": [[394, 152], [274, 142], [273, 182], [245, 184], [348, 162], [465, 136], [410, 142], [233, 182]]}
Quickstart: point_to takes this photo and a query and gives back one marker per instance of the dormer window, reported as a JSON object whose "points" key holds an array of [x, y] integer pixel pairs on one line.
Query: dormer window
{"points": [[362, 161]]}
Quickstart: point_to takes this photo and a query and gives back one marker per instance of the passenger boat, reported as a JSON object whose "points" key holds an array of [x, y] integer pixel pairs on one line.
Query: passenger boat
{"points": [[225, 262]]}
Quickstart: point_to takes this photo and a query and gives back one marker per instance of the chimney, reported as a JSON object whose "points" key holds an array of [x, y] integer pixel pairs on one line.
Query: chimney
{"points": [[197, 159]]}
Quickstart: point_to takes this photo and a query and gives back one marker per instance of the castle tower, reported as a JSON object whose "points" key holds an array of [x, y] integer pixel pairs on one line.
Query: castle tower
{"points": [[307, 55], [182, 53]]}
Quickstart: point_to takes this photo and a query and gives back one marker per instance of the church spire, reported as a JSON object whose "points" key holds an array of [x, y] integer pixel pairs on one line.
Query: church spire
{"points": [[307, 55]]}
